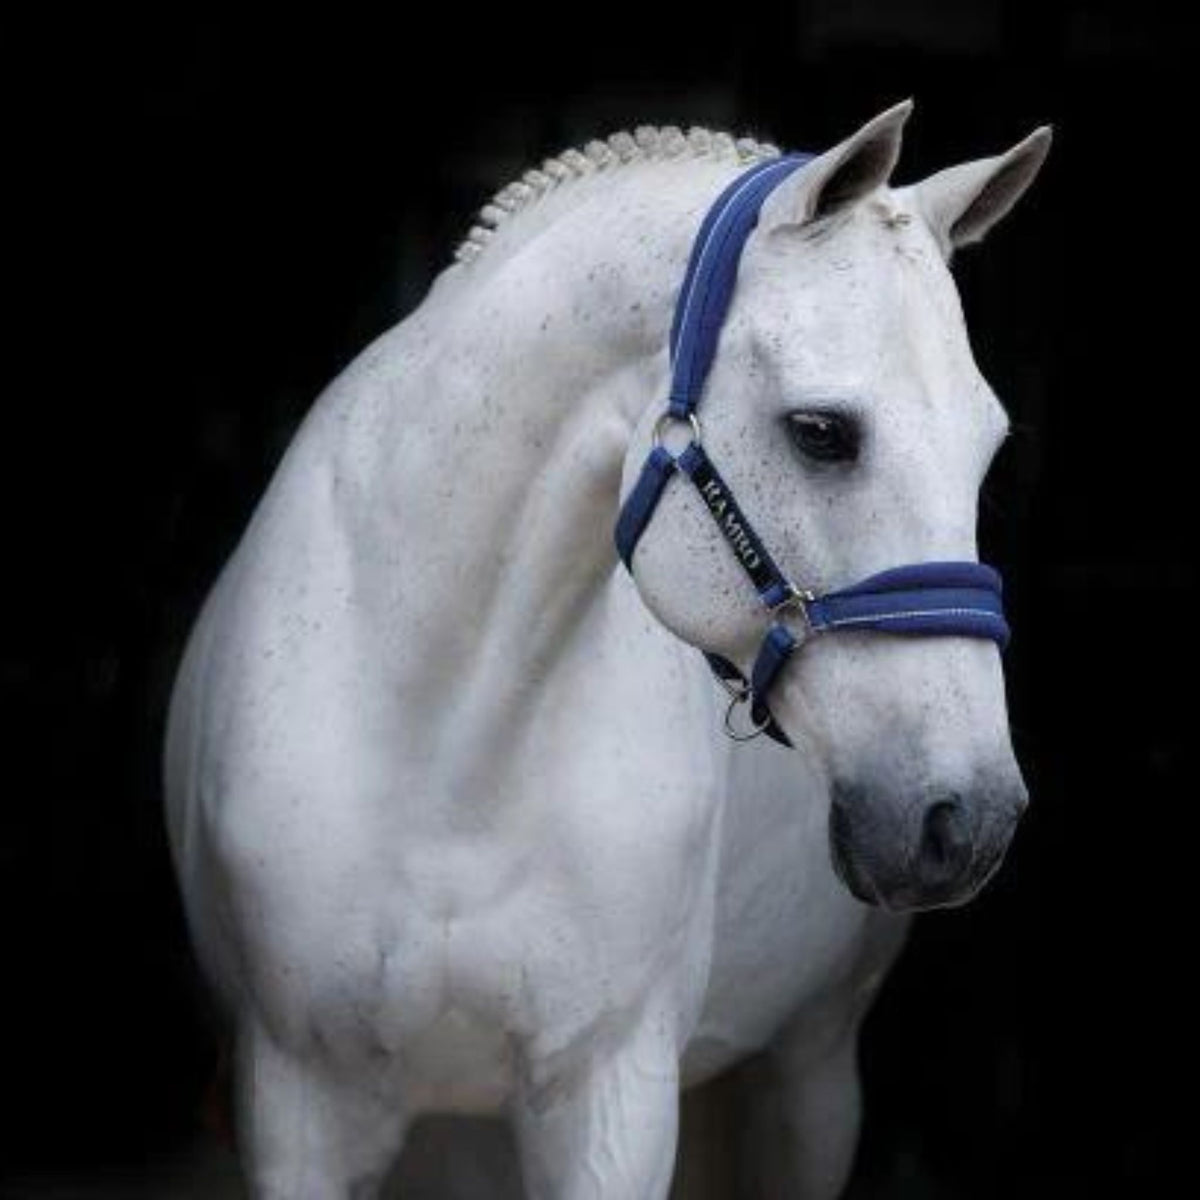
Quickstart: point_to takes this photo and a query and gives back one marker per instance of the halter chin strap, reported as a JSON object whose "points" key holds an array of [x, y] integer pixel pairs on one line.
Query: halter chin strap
{"points": [[961, 599]]}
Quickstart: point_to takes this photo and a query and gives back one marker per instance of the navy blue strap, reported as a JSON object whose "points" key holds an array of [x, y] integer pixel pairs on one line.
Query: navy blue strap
{"points": [[643, 500], [957, 598], [774, 652], [700, 310], [769, 581], [777, 647], [711, 273]]}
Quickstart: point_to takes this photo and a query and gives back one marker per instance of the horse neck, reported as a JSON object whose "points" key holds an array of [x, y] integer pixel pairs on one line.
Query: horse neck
{"points": [[520, 381]]}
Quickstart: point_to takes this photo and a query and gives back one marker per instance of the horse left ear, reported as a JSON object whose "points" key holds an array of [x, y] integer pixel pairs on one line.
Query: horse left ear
{"points": [[962, 203]]}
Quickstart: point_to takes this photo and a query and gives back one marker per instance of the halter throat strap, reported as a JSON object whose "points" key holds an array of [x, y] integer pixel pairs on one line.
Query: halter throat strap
{"points": [[934, 598]]}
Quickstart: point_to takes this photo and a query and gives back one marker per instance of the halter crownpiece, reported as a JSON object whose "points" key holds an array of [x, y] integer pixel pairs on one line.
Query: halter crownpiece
{"points": [[960, 599]]}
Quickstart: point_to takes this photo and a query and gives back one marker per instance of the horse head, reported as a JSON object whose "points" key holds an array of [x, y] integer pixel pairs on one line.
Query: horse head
{"points": [[848, 414]]}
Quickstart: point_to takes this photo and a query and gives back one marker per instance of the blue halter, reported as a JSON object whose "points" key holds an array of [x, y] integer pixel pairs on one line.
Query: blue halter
{"points": [[961, 599]]}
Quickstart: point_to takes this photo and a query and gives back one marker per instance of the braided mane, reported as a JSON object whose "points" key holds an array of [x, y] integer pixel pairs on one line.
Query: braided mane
{"points": [[647, 143]]}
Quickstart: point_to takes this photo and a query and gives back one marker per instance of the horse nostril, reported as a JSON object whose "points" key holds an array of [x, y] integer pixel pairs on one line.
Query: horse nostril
{"points": [[945, 840]]}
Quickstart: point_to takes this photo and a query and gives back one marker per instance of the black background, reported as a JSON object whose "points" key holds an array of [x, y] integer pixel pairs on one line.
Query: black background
{"points": [[220, 211]]}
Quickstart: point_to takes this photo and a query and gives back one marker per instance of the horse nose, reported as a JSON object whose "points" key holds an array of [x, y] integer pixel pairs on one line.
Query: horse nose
{"points": [[936, 850], [946, 845]]}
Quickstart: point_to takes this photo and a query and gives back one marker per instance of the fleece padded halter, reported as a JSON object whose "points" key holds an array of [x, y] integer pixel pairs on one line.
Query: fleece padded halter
{"points": [[961, 599]]}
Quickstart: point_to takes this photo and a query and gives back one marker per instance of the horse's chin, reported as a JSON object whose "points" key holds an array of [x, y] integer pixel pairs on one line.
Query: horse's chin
{"points": [[902, 896], [901, 901], [855, 880]]}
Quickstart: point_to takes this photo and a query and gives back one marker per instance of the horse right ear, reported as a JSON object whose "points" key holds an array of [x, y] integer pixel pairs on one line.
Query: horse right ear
{"points": [[841, 177], [962, 203]]}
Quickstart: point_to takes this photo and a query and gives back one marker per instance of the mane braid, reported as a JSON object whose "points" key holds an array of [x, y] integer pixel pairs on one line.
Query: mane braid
{"points": [[647, 143]]}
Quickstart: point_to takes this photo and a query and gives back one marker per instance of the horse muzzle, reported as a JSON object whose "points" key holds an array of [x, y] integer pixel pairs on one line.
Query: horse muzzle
{"points": [[934, 850]]}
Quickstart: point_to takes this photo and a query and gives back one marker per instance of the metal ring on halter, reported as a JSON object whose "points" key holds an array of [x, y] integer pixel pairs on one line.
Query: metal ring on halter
{"points": [[798, 598], [739, 735], [668, 418]]}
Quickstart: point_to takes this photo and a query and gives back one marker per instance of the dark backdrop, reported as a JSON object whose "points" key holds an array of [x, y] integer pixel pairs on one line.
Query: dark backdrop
{"points": [[226, 209]]}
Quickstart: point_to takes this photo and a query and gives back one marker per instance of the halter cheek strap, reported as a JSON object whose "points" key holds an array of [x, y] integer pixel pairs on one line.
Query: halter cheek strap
{"points": [[961, 599]]}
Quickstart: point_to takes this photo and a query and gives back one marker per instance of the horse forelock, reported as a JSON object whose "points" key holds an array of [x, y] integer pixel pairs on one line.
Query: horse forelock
{"points": [[647, 143]]}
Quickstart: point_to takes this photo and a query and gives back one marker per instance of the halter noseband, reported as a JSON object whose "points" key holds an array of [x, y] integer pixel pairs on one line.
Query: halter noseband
{"points": [[960, 599]]}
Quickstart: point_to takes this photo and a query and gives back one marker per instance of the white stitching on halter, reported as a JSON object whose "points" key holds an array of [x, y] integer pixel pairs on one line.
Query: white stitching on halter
{"points": [[869, 618], [715, 231]]}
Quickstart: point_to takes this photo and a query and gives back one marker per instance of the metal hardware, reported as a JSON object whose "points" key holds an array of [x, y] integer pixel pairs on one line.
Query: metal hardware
{"points": [[668, 418], [798, 598], [739, 735]]}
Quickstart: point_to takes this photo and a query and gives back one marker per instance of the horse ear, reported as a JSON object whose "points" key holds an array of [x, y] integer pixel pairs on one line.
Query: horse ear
{"points": [[962, 203], [840, 177]]}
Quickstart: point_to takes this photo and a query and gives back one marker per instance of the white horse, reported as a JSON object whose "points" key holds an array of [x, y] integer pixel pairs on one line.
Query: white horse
{"points": [[455, 825]]}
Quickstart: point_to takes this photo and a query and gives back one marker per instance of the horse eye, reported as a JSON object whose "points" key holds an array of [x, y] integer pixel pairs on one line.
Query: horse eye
{"points": [[824, 436]]}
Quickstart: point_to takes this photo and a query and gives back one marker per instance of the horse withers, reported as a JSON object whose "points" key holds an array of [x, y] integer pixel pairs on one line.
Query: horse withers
{"points": [[455, 825]]}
